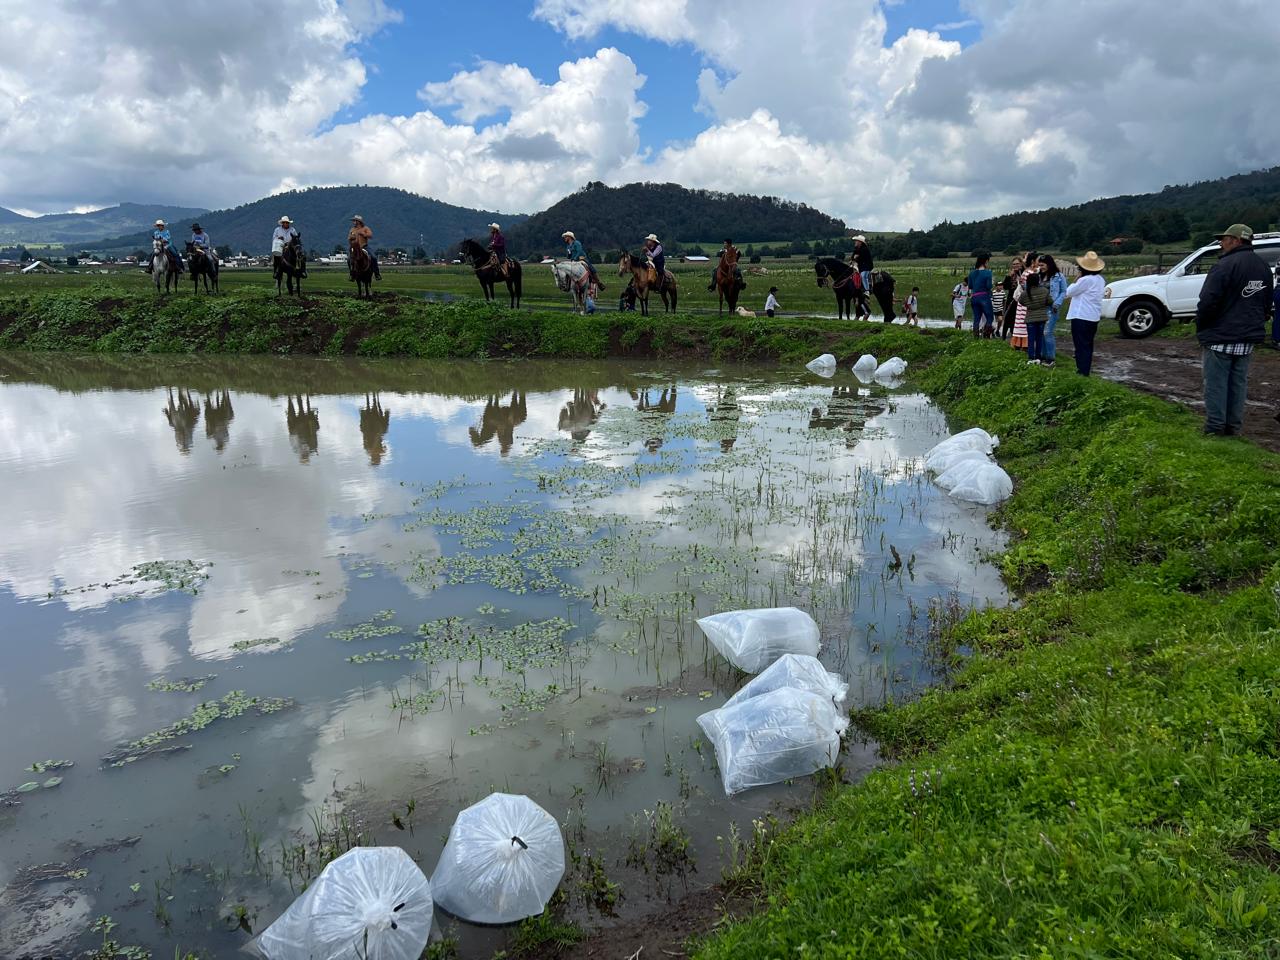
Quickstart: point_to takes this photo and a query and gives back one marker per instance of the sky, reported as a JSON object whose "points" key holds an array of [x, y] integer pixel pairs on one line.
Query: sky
{"points": [[888, 113]]}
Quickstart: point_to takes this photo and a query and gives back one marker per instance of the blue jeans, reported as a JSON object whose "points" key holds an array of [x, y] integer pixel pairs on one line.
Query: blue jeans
{"points": [[1226, 381], [982, 308], [1035, 341], [1050, 342], [1082, 334]]}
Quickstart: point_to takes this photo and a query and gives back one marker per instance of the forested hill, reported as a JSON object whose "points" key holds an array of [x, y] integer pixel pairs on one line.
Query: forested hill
{"points": [[322, 215], [1184, 214], [607, 219], [79, 228]]}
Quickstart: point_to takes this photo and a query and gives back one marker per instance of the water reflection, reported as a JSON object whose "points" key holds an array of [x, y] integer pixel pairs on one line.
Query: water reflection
{"points": [[580, 414], [304, 427], [725, 413], [848, 410], [374, 424], [499, 420], [182, 415], [217, 419]]}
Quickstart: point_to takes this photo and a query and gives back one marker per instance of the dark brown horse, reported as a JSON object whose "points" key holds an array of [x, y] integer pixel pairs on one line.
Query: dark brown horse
{"points": [[202, 265], [361, 265], [851, 299], [489, 272], [290, 265], [727, 279], [644, 278]]}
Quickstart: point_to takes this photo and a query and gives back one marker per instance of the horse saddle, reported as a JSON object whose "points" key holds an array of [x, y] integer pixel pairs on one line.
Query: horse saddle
{"points": [[652, 275]]}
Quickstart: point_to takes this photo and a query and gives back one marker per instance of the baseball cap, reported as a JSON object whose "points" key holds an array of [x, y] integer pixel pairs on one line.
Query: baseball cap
{"points": [[1238, 230]]}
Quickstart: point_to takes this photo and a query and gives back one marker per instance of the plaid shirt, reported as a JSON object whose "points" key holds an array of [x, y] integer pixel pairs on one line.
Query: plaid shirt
{"points": [[1233, 349]]}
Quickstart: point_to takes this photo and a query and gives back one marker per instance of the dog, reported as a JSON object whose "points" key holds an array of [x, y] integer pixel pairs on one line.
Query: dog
{"points": [[744, 312]]}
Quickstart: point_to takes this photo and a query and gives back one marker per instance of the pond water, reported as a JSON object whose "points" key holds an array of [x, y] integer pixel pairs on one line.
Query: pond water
{"points": [[271, 608]]}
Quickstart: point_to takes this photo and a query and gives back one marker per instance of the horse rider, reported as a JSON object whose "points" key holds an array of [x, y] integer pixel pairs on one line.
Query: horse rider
{"points": [[161, 232], [657, 259], [861, 258], [726, 250], [573, 252], [200, 240], [358, 237], [498, 247], [286, 234]]}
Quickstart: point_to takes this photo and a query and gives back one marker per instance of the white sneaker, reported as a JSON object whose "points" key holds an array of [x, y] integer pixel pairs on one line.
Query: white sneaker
{"points": [[1033, 363]]}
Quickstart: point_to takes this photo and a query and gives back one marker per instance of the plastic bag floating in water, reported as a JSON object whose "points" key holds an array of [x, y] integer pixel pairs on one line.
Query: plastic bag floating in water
{"points": [[943, 461], [776, 736], [753, 639], [502, 862], [823, 366], [866, 364], [370, 902], [798, 672], [975, 439], [893, 367], [986, 483]]}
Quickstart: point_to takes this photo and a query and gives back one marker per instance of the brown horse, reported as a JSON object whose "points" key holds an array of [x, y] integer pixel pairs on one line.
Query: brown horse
{"points": [[727, 279], [644, 279], [490, 274], [361, 270]]}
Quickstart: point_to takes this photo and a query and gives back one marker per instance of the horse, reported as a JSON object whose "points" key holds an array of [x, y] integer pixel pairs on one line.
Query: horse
{"points": [[201, 264], [727, 280], [636, 264], [361, 265], [851, 299], [573, 277], [291, 264], [489, 272], [162, 267]]}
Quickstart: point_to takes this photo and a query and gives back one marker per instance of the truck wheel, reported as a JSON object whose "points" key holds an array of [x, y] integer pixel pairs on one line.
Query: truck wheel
{"points": [[1140, 318]]}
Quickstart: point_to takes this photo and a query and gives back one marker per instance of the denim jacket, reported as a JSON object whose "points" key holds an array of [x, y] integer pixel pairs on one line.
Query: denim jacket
{"points": [[1057, 293]]}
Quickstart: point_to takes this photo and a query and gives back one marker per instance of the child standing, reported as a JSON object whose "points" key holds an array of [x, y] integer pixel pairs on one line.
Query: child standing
{"points": [[771, 302], [959, 299], [911, 307], [1034, 303], [1019, 338]]}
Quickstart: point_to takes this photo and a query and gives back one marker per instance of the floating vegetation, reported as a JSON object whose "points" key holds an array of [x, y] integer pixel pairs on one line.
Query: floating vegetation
{"points": [[378, 657], [369, 630], [243, 645], [41, 766], [181, 685], [214, 774], [28, 786], [234, 704], [153, 578]]}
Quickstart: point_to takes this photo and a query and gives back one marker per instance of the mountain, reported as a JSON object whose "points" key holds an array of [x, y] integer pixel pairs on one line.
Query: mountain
{"points": [[607, 219], [1188, 214], [83, 228], [323, 216]]}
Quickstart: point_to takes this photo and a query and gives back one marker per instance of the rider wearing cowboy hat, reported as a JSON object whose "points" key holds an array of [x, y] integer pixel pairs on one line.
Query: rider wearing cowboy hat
{"points": [[737, 270], [574, 252], [653, 248], [359, 237], [285, 232], [498, 245], [161, 232]]}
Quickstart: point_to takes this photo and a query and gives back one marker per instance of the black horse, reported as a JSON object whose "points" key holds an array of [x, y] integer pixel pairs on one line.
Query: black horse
{"points": [[290, 265], [361, 264], [882, 284], [851, 299], [201, 264], [489, 272]]}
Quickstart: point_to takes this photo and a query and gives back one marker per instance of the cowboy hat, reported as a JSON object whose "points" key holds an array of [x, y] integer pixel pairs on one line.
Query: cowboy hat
{"points": [[569, 234], [494, 226], [160, 223], [653, 237], [861, 237], [1091, 262], [196, 226], [356, 218], [285, 220]]}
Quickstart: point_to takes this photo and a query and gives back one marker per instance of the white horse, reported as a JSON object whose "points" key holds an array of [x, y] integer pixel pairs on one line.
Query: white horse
{"points": [[162, 271], [574, 279]]}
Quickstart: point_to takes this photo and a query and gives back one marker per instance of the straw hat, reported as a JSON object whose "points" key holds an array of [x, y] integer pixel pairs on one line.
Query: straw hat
{"points": [[285, 220], [494, 226], [1091, 262], [569, 234], [653, 237]]}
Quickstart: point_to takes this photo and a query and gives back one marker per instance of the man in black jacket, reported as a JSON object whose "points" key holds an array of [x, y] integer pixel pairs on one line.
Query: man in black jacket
{"points": [[1231, 319]]}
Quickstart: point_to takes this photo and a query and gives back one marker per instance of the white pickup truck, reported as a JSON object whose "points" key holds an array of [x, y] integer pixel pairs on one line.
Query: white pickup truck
{"points": [[1145, 304]]}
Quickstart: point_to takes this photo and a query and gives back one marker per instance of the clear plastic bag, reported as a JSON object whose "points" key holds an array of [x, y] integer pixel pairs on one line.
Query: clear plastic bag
{"points": [[823, 366], [944, 460], [987, 484], [752, 639], [776, 736], [893, 367], [866, 364], [961, 472], [370, 902], [799, 672], [502, 862], [974, 439]]}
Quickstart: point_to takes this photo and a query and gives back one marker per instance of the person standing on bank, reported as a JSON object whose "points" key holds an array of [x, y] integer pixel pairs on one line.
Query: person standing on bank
{"points": [[980, 286], [771, 303], [1231, 319], [1086, 308], [1057, 284]]}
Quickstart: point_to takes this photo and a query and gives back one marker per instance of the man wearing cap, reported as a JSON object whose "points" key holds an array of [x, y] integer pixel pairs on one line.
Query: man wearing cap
{"points": [[161, 232], [358, 237], [498, 245], [657, 258], [1231, 319], [201, 240], [574, 252]]}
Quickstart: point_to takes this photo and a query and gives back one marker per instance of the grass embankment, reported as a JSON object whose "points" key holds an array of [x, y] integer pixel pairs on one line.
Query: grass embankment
{"points": [[108, 319], [1101, 778]]}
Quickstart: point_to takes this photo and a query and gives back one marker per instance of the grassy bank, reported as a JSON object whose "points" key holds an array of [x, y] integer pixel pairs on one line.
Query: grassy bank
{"points": [[106, 318], [1100, 779]]}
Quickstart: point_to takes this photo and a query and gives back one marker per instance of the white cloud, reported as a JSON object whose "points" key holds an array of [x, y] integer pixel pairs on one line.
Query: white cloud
{"points": [[803, 101]]}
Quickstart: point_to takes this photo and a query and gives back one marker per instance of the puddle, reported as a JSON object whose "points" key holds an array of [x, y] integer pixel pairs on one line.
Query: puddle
{"points": [[260, 620]]}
